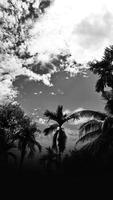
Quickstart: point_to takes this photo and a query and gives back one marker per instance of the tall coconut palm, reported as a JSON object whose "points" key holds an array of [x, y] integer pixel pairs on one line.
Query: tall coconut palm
{"points": [[97, 130], [59, 138], [26, 139]]}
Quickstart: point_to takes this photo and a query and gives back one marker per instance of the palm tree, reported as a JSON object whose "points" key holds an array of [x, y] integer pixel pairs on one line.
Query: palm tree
{"points": [[95, 128], [26, 139], [98, 130], [59, 138]]}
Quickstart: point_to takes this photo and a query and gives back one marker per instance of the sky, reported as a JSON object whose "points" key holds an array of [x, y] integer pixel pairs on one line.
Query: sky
{"points": [[78, 29]]}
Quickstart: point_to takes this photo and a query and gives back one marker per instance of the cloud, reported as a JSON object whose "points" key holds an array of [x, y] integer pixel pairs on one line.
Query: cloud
{"points": [[69, 27], [41, 121], [94, 34], [52, 93], [10, 69]]}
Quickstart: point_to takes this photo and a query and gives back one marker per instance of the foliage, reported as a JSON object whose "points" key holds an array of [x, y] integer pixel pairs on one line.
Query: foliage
{"points": [[17, 128], [59, 138], [104, 69]]}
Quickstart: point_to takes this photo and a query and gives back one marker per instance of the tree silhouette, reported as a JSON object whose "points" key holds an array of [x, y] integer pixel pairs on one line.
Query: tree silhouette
{"points": [[98, 130], [26, 138], [59, 138], [17, 128], [104, 69], [100, 126]]}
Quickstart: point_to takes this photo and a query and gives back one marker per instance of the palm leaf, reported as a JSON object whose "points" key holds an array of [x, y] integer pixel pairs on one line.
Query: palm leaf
{"points": [[88, 113], [50, 115], [89, 136], [50, 129], [90, 125], [93, 147], [99, 146]]}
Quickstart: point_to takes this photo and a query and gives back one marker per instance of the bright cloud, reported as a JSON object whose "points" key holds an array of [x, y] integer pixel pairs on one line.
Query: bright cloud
{"points": [[10, 68], [41, 121], [82, 28]]}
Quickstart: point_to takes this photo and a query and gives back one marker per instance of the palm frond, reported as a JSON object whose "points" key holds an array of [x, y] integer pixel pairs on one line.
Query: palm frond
{"points": [[50, 115], [92, 147], [88, 113], [89, 126], [89, 136], [50, 129]]}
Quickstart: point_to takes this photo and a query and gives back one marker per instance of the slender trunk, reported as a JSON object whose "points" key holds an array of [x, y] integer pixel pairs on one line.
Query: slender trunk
{"points": [[59, 152]]}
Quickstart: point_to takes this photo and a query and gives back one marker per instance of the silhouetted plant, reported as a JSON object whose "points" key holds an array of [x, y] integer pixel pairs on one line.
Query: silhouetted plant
{"points": [[17, 128], [59, 138], [95, 128], [97, 131], [27, 139], [104, 69]]}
